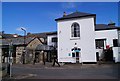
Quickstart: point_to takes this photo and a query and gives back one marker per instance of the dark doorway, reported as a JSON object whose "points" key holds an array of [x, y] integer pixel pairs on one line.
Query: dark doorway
{"points": [[36, 57], [115, 42], [97, 56], [77, 54], [77, 57], [109, 54]]}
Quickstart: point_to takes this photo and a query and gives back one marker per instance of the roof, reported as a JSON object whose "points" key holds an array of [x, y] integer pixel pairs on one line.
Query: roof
{"points": [[4, 35], [42, 35], [105, 27], [29, 38], [52, 33], [16, 41], [75, 15]]}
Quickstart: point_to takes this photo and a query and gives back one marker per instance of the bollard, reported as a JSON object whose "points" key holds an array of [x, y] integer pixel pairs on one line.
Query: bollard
{"points": [[8, 69]]}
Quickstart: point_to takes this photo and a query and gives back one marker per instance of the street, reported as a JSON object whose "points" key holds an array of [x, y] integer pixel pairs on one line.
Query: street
{"points": [[67, 71]]}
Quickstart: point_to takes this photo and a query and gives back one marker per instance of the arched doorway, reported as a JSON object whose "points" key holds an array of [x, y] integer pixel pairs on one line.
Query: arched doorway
{"points": [[76, 54]]}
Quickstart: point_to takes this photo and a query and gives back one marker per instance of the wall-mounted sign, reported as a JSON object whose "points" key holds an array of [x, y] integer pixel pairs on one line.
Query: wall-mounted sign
{"points": [[69, 54], [76, 50]]}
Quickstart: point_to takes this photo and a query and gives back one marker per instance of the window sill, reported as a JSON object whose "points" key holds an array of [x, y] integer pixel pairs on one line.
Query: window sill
{"points": [[75, 38]]}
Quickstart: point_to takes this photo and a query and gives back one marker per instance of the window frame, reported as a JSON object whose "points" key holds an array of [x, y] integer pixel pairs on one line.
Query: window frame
{"points": [[75, 30], [115, 42], [99, 45]]}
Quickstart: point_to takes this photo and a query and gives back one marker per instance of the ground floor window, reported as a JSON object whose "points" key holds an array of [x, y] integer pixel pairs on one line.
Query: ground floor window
{"points": [[99, 43], [73, 54], [115, 42]]}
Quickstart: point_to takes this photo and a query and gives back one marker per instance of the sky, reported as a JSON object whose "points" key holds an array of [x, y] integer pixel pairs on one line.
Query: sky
{"points": [[38, 17]]}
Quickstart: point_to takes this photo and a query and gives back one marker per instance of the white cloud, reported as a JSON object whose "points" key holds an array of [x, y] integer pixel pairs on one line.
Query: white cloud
{"points": [[19, 29], [69, 5]]}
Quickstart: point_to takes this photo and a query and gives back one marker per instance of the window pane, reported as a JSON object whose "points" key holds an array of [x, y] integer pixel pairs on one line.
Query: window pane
{"points": [[54, 39], [75, 30], [99, 43], [73, 54], [115, 42]]}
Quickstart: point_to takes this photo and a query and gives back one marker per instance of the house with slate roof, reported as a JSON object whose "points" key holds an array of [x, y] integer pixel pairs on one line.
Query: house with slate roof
{"points": [[17, 44], [108, 36], [35, 43], [81, 40]]}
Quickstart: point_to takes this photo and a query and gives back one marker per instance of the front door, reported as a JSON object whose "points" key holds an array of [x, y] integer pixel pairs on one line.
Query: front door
{"points": [[76, 54], [77, 57]]}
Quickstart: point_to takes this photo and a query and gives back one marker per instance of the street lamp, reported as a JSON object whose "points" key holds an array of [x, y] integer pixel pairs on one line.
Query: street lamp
{"points": [[24, 44], [10, 59]]}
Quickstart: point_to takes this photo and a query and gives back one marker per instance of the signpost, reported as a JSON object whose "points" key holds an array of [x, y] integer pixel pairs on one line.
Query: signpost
{"points": [[9, 69]]}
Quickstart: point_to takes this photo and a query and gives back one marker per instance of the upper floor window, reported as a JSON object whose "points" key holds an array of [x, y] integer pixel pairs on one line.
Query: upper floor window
{"points": [[75, 30], [54, 39]]}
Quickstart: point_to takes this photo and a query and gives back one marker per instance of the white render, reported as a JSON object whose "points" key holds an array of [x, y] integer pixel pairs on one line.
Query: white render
{"points": [[86, 41], [49, 40], [109, 35], [116, 54]]}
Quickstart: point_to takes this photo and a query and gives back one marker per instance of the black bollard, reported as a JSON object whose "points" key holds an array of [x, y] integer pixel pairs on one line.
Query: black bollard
{"points": [[8, 69]]}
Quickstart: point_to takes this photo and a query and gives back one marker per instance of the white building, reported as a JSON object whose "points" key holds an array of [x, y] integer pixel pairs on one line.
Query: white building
{"points": [[108, 35], [52, 39], [76, 38], [79, 38]]}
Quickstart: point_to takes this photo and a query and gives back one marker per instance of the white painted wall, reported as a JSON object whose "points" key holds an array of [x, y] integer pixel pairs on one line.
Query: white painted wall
{"points": [[49, 40], [86, 41], [109, 35], [116, 54]]}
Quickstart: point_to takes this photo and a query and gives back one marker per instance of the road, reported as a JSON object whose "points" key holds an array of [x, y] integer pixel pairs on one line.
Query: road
{"points": [[70, 71]]}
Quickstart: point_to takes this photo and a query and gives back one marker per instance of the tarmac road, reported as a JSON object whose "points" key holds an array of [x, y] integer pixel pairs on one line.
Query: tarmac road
{"points": [[70, 71]]}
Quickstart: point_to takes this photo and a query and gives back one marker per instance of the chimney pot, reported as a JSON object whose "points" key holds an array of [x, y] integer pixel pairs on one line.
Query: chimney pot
{"points": [[111, 23], [64, 14]]}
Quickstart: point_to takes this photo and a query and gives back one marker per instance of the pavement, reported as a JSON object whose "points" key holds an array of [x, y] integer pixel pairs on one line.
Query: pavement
{"points": [[66, 71]]}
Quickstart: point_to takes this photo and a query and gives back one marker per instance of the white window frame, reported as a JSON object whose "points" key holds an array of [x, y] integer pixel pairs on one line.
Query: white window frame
{"points": [[72, 31]]}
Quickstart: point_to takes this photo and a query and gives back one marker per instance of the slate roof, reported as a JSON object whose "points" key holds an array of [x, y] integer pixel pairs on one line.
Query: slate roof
{"points": [[4, 35], [105, 27], [16, 41], [52, 33], [75, 15], [42, 35], [20, 40]]}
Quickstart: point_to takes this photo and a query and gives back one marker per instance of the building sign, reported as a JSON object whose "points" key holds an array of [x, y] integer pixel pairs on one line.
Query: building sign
{"points": [[69, 54], [75, 49]]}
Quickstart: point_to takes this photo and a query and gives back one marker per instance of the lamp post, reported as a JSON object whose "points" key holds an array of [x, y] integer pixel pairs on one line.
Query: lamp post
{"points": [[10, 59], [24, 45]]}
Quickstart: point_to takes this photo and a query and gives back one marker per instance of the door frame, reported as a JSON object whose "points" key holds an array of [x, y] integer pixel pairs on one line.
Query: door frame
{"points": [[75, 51]]}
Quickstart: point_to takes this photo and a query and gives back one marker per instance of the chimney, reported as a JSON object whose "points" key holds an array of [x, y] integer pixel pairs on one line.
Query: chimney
{"points": [[111, 23], [64, 14]]}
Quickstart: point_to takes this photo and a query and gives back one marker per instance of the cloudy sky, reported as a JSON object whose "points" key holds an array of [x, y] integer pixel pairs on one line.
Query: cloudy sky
{"points": [[38, 17]]}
